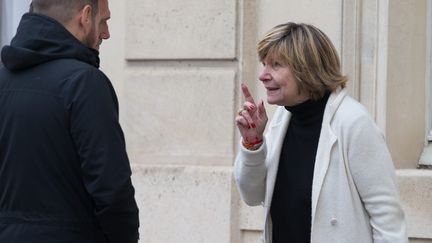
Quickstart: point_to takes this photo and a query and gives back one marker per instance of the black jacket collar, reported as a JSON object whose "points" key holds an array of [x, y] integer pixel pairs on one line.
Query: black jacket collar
{"points": [[42, 39]]}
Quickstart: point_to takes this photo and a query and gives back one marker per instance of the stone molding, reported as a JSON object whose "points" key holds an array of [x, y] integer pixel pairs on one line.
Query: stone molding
{"points": [[364, 53]]}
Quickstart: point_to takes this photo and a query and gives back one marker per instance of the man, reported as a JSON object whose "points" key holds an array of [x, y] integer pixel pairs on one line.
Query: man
{"points": [[64, 171]]}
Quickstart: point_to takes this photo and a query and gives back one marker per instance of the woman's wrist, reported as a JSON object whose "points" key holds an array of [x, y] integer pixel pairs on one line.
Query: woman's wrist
{"points": [[252, 145]]}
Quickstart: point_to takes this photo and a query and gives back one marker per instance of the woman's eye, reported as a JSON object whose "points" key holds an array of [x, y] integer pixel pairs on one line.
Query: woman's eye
{"points": [[276, 64]]}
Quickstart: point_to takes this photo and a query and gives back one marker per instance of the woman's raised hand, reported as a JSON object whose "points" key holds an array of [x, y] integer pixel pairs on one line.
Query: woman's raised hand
{"points": [[251, 120]]}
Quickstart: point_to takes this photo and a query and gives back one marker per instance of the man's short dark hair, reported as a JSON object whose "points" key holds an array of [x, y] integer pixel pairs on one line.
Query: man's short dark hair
{"points": [[62, 10]]}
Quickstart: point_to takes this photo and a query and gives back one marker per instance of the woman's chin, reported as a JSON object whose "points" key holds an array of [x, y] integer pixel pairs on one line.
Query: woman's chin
{"points": [[271, 101]]}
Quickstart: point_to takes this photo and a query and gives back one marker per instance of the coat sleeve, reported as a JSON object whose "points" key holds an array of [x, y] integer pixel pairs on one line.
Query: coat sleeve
{"points": [[250, 174], [100, 144], [374, 176]]}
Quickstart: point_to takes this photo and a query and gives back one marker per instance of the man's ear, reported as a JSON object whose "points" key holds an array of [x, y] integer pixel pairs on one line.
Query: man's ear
{"points": [[85, 19]]}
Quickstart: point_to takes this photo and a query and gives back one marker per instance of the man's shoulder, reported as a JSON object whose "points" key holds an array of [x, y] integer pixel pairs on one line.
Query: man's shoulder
{"points": [[73, 64], [75, 70]]}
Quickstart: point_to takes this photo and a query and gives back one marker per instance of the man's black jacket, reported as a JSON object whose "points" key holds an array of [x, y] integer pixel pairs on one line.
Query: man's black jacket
{"points": [[64, 171]]}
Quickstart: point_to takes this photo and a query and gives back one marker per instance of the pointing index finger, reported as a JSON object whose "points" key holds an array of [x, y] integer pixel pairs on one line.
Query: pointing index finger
{"points": [[248, 97]]}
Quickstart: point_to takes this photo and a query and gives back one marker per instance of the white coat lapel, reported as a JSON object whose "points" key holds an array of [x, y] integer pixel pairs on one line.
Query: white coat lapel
{"points": [[322, 160], [277, 133], [326, 141]]}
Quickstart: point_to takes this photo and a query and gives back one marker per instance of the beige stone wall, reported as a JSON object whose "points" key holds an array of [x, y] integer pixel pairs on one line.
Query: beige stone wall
{"points": [[406, 89], [177, 66], [415, 188]]}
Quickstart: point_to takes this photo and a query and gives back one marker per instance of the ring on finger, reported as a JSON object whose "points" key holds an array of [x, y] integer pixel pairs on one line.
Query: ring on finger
{"points": [[239, 112]]}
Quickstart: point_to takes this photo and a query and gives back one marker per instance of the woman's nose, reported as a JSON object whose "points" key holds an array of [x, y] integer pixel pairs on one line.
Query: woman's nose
{"points": [[264, 75]]}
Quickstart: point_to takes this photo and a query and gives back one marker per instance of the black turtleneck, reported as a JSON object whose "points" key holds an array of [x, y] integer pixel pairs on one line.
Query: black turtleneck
{"points": [[291, 202]]}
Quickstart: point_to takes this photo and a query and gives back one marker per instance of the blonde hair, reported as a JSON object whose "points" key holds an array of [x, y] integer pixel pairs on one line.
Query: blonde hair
{"points": [[309, 54]]}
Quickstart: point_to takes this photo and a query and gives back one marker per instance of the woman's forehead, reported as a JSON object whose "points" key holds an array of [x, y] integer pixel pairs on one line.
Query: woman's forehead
{"points": [[274, 56]]}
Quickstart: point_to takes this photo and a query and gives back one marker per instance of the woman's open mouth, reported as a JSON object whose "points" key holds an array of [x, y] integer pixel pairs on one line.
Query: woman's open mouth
{"points": [[270, 89]]}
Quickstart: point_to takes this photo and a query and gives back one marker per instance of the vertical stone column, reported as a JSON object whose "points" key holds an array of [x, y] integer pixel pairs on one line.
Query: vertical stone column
{"points": [[364, 53], [406, 88], [384, 55]]}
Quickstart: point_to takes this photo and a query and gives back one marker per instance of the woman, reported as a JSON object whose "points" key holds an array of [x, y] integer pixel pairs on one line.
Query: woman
{"points": [[323, 171]]}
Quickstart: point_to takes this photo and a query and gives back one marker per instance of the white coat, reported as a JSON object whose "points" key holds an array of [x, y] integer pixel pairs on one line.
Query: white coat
{"points": [[355, 197]]}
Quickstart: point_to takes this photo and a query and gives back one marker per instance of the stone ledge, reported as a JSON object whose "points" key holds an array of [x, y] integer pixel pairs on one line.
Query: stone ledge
{"points": [[183, 203], [416, 196], [251, 218]]}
